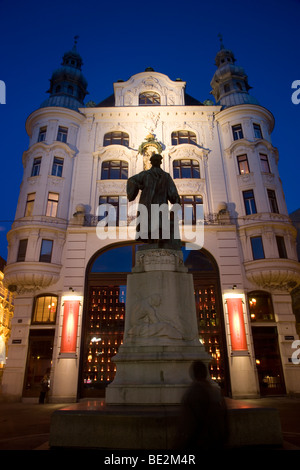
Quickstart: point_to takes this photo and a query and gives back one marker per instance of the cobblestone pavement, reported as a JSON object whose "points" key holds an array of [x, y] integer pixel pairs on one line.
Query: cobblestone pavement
{"points": [[26, 426]]}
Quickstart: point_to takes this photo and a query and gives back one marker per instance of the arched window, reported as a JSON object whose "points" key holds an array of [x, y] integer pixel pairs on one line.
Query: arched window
{"points": [[149, 98], [116, 138], [114, 169], [45, 308], [260, 306], [186, 168], [184, 137]]}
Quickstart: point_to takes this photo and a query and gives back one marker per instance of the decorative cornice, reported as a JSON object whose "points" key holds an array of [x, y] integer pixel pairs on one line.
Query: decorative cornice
{"points": [[241, 145], [47, 148]]}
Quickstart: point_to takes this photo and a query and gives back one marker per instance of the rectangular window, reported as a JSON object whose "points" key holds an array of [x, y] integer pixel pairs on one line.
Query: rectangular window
{"points": [[249, 201], [29, 204], [36, 166], [264, 163], [237, 132], [42, 134], [243, 164], [257, 131], [281, 247], [114, 169], [52, 204], [45, 309], [46, 251], [62, 134], [189, 208], [186, 169], [57, 166], [22, 250], [118, 213], [273, 201], [257, 248]]}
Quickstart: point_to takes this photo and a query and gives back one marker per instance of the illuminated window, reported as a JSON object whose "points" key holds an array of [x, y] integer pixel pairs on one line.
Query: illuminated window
{"points": [[46, 251], [36, 166], [264, 163], [183, 137], [114, 169], [62, 134], [249, 201], [116, 138], [22, 250], [243, 164], [45, 308], [52, 204], [260, 306], [42, 134], [57, 166], [186, 169], [257, 248], [29, 204], [237, 132], [149, 99]]}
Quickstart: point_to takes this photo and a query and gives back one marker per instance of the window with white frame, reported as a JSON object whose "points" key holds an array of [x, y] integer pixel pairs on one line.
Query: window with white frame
{"points": [[36, 166], [237, 132], [62, 134]]}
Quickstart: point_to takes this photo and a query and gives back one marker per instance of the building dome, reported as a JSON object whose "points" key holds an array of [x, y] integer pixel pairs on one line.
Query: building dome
{"points": [[68, 86], [229, 84]]}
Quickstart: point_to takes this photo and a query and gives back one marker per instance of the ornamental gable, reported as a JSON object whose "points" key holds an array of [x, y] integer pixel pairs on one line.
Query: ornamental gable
{"points": [[165, 91]]}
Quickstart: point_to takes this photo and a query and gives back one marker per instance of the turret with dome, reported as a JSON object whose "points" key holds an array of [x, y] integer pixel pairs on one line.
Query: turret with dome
{"points": [[230, 83], [68, 86]]}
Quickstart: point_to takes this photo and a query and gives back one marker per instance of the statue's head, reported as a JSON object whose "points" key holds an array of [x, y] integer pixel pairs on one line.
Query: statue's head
{"points": [[156, 159]]}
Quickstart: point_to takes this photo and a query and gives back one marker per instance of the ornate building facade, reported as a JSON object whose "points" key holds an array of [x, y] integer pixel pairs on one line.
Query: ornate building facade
{"points": [[70, 283]]}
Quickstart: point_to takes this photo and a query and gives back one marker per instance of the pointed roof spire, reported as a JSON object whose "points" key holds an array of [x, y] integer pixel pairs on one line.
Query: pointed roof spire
{"points": [[221, 41]]}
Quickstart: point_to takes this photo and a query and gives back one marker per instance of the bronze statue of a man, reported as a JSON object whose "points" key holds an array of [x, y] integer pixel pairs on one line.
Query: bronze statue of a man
{"points": [[157, 189]]}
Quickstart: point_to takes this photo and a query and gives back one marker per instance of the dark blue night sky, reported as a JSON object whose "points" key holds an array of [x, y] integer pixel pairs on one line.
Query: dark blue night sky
{"points": [[120, 39]]}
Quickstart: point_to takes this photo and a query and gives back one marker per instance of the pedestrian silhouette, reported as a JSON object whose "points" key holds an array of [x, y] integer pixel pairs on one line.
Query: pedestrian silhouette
{"points": [[203, 417], [45, 386]]}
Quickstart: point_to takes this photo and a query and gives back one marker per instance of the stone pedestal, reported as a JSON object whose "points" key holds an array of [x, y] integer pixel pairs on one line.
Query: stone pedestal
{"points": [[161, 334]]}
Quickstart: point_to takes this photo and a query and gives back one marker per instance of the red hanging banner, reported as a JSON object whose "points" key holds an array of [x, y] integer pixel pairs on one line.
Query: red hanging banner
{"points": [[69, 329], [236, 324]]}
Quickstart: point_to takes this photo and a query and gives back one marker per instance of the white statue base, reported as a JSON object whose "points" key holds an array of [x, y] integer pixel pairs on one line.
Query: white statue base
{"points": [[161, 333]]}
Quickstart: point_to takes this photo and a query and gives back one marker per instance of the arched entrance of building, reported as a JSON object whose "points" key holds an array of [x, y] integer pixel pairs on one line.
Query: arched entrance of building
{"points": [[104, 314]]}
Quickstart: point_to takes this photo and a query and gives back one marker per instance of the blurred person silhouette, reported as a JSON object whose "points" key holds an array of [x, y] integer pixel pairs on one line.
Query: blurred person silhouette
{"points": [[203, 417], [45, 386]]}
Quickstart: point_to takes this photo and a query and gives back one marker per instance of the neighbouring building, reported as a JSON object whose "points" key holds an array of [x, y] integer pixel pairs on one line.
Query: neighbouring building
{"points": [[6, 315], [69, 281]]}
